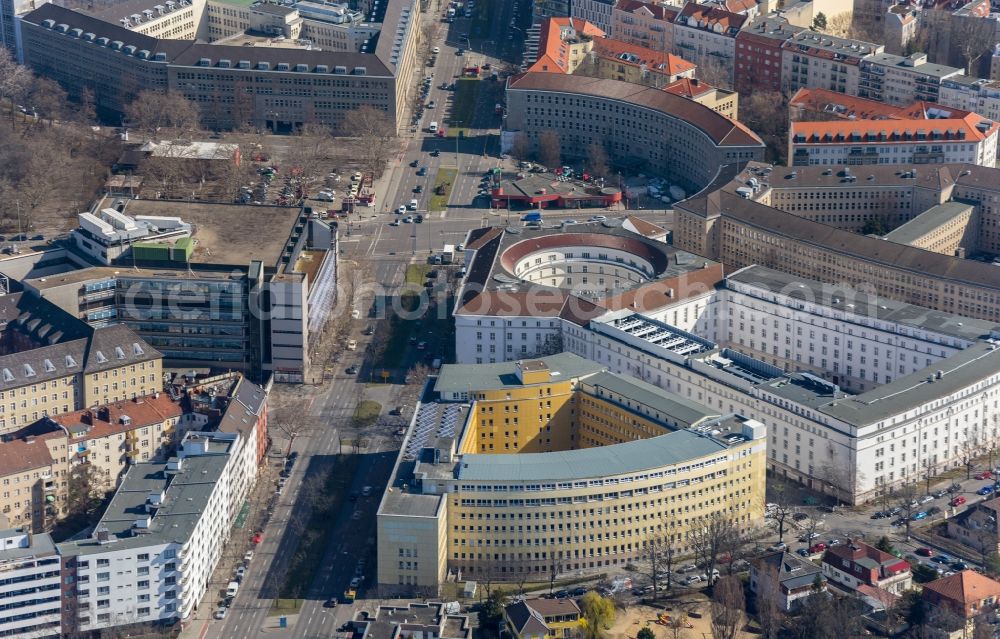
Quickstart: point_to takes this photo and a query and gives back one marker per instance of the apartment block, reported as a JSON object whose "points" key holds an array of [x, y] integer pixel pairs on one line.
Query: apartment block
{"points": [[901, 23], [973, 94], [29, 586], [971, 140], [596, 12], [759, 46], [719, 100], [51, 362], [815, 60], [645, 24], [857, 564], [706, 36], [151, 556], [899, 80]]}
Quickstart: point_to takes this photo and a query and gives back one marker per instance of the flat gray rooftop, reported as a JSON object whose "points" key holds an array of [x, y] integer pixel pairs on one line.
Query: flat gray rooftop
{"points": [[958, 371], [40, 546], [457, 378], [927, 221], [228, 234], [872, 306], [618, 459], [405, 504], [928, 68], [187, 495], [640, 395]]}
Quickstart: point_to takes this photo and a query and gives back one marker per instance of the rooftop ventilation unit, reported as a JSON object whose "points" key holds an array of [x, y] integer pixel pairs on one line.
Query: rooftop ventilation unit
{"points": [[62, 28], [103, 41], [143, 53], [263, 66], [89, 36], [117, 45], [360, 71], [130, 49], [302, 68], [225, 64], [339, 69], [48, 24], [76, 33], [322, 68], [282, 66], [244, 64], [160, 57]]}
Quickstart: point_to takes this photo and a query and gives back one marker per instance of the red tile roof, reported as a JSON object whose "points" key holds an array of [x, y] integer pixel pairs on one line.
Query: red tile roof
{"points": [[721, 130], [636, 55], [964, 588], [894, 130], [711, 18], [21, 455], [849, 107], [552, 53], [107, 420], [658, 11], [689, 88]]}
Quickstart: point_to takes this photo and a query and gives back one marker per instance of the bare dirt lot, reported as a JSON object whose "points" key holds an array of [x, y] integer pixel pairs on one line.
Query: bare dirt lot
{"points": [[628, 623]]}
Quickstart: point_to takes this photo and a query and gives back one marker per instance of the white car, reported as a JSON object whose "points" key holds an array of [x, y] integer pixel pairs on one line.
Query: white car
{"points": [[436, 50], [401, 210], [248, 556], [220, 613]]}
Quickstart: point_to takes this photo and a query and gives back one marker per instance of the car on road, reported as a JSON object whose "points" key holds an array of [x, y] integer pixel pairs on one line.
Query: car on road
{"points": [[241, 572], [597, 218], [422, 171], [436, 50], [924, 552], [419, 218], [920, 515], [926, 498], [248, 556], [939, 493], [330, 603], [435, 153], [408, 219], [394, 223], [957, 501], [460, 52], [352, 369], [356, 515], [366, 491], [220, 612], [369, 330], [418, 188], [983, 475], [415, 163], [942, 559], [431, 104], [401, 209], [257, 537], [421, 346], [959, 566], [985, 490], [579, 592]]}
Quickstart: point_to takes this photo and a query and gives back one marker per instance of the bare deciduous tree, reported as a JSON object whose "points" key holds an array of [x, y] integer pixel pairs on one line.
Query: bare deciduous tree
{"points": [[596, 161], [549, 148], [727, 608], [708, 535], [375, 136], [659, 555], [769, 613], [520, 147], [48, 99], [716, 72], [975, 38], [14, 80], [159, 114]]}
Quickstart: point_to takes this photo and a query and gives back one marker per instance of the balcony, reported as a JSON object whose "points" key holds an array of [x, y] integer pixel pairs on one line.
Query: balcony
{"points": [[50, 486]]}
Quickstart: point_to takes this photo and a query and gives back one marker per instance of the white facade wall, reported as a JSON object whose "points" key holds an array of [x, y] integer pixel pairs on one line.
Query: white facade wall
{"points": [[488, 339], [127, 586], [982, 152], [29, 590], [596, 12]]}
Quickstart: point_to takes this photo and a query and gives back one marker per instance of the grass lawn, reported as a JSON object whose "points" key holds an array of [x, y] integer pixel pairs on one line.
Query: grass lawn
{"points": [[464, 106], [328, 503], [285, 607], [367, 412], [446, 178], [417, 273]]}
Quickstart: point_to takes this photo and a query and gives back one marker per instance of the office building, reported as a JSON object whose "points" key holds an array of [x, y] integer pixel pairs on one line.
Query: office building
{"points": [[801, 220], [233, 59], [682, 140], [203, 286], [557, 437], [29, 586]]}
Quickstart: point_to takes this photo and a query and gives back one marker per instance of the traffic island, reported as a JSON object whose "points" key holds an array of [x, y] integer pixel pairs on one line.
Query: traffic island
{"points": [[443, 183]]}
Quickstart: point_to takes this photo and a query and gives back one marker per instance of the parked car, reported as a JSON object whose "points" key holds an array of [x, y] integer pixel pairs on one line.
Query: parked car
{"points": [[957, 501], [809, 537], [919, 515], [924, 552], [926, 498], [985, 490], [220, 612], [942, 559], [248, 556], [939, 493], [816, 548], [800, 516], [352, 369], [983, 475], [959, 566]]}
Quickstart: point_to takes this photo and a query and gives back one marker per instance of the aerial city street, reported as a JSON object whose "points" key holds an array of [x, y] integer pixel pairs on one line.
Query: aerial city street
{"points": [[473, 319]]}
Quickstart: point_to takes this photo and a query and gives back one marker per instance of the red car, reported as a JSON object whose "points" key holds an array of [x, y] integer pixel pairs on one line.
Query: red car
{"points": [[817, 548], [924, 552], [984, 475], [258, 537], [958, 501]]}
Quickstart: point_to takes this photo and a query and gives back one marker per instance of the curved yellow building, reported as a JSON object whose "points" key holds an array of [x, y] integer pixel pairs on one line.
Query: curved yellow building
{"points": [[513, 471]]}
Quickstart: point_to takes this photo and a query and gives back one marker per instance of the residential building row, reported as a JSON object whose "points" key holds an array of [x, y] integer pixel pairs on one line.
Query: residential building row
{"points": [[148, 560], [42, 461], [534, 468]]}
